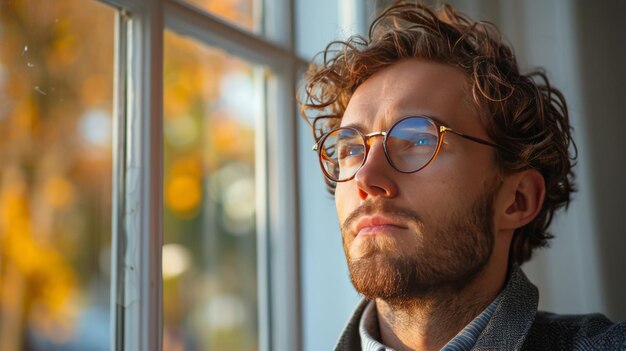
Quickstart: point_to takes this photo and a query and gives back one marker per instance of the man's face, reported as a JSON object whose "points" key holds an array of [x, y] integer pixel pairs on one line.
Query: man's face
{"points": [[410, 234]]}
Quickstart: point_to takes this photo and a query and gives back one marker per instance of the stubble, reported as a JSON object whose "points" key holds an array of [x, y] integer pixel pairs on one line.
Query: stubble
{"points": [[449, 254]]}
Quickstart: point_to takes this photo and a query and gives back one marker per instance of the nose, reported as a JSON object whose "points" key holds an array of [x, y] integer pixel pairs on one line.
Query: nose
{"points": [[376, 178]]}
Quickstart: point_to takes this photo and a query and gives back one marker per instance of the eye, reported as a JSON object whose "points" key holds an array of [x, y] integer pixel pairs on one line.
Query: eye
{"points": [[350, 150], [424, 139]]}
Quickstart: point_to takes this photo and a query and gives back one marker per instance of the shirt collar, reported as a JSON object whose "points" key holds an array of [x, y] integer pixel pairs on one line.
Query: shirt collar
{"points": [[463, 341], [368, 329]]}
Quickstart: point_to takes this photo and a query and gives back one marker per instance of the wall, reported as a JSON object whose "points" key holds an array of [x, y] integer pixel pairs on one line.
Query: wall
{"points": [[602, 53]]}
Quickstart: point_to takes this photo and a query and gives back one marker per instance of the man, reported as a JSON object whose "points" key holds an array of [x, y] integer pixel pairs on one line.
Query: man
{"points": [[447, 165]]}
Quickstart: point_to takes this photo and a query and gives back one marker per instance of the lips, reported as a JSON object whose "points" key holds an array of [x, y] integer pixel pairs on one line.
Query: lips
{"points": [[377, 224]]}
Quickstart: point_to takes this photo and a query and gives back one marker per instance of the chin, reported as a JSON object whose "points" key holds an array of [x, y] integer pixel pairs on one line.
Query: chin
{"points": [[378, 277], [396, 277], [370, 246]]}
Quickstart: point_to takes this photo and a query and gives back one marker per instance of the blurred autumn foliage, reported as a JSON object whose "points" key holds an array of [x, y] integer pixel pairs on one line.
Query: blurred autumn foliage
{"points": [[212, 105], [56, 88], [242, 13], [56, 72]]}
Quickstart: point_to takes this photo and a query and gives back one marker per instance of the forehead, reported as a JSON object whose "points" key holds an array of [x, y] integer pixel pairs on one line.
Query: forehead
{"points": [[412, 87]]}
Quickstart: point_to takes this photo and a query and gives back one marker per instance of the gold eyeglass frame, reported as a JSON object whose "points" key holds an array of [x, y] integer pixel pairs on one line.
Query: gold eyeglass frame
{"points": [[441, 130]]}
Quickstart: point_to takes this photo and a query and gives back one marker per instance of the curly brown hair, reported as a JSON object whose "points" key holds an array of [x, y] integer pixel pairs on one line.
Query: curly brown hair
{"points": [[525, 114]]}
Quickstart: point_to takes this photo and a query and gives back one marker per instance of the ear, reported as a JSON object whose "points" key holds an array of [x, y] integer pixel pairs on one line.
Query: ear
{"points": [[522, 200]]}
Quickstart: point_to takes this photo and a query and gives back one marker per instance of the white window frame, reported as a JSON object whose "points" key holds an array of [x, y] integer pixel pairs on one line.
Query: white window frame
{"points": [[137, 235]]}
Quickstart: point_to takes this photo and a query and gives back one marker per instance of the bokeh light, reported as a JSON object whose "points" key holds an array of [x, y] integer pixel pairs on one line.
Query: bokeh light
{"points": [[56, 85]]}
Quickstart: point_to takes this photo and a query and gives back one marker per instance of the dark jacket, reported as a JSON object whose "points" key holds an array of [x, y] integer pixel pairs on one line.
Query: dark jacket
{"points": [[516, 325]]}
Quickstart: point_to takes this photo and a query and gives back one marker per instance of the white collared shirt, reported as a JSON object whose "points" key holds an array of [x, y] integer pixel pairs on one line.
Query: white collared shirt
{"points": [[463, 341]]}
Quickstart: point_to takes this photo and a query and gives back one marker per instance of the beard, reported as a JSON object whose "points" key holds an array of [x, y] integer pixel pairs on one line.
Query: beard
{"points": [[449, 254]]}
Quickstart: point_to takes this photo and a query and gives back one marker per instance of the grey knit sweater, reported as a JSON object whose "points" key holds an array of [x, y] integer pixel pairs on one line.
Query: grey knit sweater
{"points": [[517, 325]]}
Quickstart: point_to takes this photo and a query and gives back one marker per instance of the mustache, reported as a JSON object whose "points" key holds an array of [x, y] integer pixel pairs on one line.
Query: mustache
{"points": [[380, 207]]}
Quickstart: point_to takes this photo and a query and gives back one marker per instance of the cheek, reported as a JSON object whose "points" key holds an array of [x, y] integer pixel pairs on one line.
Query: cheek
{"points": [[342, 202], [434, 196]]}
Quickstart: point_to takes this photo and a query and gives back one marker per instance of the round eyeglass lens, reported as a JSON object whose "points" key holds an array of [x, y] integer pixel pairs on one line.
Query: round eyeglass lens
{"points": [[412, 143], [342, 153]]}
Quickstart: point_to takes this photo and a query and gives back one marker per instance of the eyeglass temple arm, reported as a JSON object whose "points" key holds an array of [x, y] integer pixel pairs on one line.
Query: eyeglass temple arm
{"points": [[474, 139]]}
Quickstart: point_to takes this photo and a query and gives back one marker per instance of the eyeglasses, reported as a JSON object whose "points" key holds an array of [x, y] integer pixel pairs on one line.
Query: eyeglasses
{"points": [[410, 144]]}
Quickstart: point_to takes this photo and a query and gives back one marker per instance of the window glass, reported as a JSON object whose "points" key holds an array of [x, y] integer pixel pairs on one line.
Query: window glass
{"points": [[211, 109], [243, 13], [56, 83]]}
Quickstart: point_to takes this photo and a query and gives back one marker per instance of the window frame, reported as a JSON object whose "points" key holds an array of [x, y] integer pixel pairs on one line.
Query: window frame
{"points": [[137, 234]]}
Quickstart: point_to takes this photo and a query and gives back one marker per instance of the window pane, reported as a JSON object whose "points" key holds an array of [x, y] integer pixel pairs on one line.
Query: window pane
{"points": [[212, 105], [243, 13], [56, 69]]}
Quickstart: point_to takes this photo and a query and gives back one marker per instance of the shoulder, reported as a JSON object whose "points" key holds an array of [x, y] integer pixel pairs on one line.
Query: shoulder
{"points": [[551, 331]]}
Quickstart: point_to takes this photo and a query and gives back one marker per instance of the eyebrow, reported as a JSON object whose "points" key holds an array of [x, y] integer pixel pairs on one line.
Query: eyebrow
{"points": [[438, 120], [362, 128], [355, 125]]}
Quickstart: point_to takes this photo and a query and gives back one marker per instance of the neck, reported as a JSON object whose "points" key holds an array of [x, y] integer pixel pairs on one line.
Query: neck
{"points": [[429, 322]]}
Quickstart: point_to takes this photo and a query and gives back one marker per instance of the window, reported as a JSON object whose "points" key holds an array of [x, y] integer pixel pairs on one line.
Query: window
{"points": [[147, 193]]}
